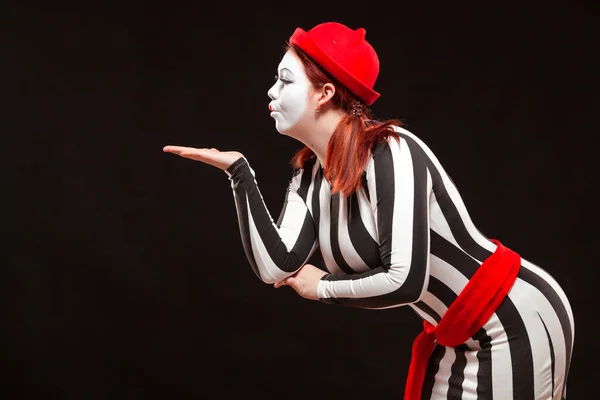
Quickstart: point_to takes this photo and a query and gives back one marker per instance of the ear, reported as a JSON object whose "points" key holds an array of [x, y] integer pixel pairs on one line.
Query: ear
{"points": [[325, 94]]}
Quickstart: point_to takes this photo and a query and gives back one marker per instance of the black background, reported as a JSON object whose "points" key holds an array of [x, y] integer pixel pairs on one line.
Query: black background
{"points": [[124, 274]]}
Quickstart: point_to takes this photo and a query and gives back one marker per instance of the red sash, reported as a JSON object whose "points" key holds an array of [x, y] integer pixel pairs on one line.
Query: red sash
{"points": [[472, 308]]}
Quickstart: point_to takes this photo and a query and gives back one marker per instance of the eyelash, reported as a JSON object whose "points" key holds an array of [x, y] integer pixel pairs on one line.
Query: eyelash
{"points": [[281, 79]]}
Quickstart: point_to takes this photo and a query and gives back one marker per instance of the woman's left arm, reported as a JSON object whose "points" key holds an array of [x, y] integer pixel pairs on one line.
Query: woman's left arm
{"points": [[399, 186]]}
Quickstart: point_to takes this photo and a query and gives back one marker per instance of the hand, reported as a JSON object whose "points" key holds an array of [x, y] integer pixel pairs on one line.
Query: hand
{"points": [[214, 157], [304, 281]]}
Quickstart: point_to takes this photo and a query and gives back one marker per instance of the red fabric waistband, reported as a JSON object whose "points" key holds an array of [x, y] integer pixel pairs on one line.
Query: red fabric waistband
{"points": [[470, 311]]}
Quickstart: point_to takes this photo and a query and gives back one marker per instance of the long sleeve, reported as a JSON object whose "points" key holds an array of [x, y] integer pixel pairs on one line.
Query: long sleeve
{"points": [[399, 186], [275, 251]]}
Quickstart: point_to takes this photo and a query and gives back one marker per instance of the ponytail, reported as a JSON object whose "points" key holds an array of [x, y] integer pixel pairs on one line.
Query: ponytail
{"points": [[349, 150]]}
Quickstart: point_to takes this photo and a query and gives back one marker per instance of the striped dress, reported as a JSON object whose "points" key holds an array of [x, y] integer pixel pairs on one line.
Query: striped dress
{"points": [[406, 238]]}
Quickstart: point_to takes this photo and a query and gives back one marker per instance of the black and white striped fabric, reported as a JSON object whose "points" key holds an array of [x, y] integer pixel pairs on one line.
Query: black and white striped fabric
{"points": [[406, 238]]}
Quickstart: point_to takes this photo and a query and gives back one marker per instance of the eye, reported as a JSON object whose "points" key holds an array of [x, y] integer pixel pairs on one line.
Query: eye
{"points": [[285, 81]]}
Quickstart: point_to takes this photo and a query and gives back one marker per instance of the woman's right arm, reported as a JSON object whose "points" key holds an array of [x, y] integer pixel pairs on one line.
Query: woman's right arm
{"points": [[274, 250]]}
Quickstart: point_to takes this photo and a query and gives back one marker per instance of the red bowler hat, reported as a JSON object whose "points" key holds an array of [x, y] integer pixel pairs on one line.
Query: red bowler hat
{"points": [[345, 54]]}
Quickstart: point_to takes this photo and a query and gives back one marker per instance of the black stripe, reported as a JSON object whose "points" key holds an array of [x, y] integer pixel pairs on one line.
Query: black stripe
{"points": [[552, 358], [520, 350], [236, 164], [316, 213], [316, 207], [301, 192], [559, 307], [333, 235], [285, 260], [439, 289], [423, 307], [242, 216], [385, 192], [454, 256], [306, 178], [433, 366], [363, 242], [365, 186], [283, 209], [457, 372], [385, 196], [484, 360], [378, 270]]}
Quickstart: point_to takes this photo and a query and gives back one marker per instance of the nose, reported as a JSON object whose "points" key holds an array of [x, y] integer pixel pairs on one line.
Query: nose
{"points": [[272, 93]]}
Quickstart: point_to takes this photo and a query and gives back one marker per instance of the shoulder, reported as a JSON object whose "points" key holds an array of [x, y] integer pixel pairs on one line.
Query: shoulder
{"points": [[402, 140], [403, 145], [302, 173]]}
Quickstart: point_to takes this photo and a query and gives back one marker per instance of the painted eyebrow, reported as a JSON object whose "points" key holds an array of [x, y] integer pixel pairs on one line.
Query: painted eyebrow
{"points": [[286, 71]]}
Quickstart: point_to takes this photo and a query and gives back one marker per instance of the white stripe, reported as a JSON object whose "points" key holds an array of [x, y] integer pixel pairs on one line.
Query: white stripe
{"points": [[370, 286], [269, 272], [438, 222], [501, 361], [370, 171], [293, 220], [403, 216], [441, 386], [325, 228], [384, 307], [436, 304], [469, 384], [447, 274], [423, 314]]}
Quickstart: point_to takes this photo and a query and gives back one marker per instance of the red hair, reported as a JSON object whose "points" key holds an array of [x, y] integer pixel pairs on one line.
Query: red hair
{"points": [[350, 145]]}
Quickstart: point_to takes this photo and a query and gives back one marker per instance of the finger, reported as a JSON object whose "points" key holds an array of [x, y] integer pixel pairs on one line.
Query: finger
{"points": [[280, 283], [284, 282], [174, 149], [187, 150], [193, 153]]}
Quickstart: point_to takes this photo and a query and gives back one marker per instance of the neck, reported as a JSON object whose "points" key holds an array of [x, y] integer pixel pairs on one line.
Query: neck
{"points": [[318, 135]]}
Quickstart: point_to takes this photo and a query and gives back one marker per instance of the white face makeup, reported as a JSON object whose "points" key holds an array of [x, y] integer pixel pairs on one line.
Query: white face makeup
{"points": [[290, 93]]}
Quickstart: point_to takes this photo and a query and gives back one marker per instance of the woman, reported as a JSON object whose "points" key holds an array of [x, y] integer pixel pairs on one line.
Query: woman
{"points": [[393, 230]]}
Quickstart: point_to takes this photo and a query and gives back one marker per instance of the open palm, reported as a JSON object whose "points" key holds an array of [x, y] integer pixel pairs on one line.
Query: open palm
{"points": [[212, 156]]}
